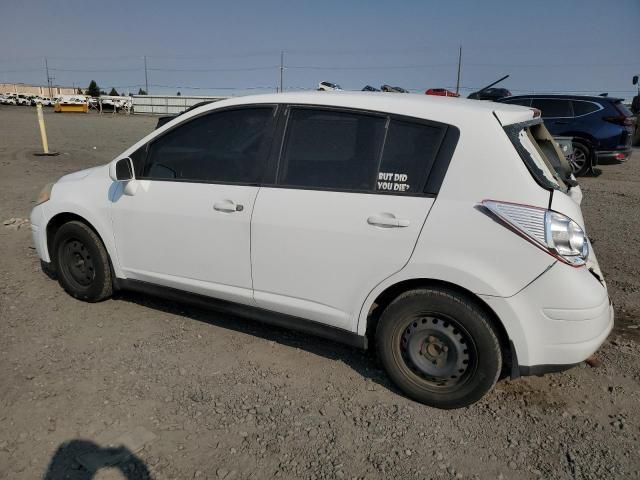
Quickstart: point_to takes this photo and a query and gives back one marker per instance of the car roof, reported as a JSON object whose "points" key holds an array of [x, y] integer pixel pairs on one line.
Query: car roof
{"points": [[449, 110], [565, 96]]}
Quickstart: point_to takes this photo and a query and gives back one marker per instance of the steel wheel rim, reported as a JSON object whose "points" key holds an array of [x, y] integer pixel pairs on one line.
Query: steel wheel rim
{"points": [[78, 263], [438, 351]]}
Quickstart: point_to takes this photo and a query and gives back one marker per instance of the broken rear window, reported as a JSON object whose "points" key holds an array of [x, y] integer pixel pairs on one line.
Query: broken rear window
{"points": [[538, 151]]}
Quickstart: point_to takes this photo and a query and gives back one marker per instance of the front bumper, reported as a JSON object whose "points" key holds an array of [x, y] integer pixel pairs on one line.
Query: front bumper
{"points": [[557, 321], [39, 232]]}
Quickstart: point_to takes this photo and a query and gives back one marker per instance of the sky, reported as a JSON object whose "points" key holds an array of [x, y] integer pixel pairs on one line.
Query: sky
{"points": [[234, 47]]}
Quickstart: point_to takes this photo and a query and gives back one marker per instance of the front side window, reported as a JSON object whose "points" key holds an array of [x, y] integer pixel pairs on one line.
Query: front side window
{"points": [[331, 149], [552, 107], [227, 147], [525, 102], [409, 152]]}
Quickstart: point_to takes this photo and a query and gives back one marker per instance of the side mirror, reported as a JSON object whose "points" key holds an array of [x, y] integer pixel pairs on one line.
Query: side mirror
{"points": [[121, 170], [635, 79]]}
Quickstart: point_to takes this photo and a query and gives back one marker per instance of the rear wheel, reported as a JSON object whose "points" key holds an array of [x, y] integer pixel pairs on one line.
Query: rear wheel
{"points": [[82, 262], [439, 348], [581, 162]]}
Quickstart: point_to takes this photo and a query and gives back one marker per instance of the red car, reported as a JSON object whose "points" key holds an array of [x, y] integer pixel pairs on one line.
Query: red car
{"points": [[441, 92]]}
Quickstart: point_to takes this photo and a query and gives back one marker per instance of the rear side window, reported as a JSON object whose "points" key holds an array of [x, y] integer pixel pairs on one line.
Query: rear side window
{"points": [[584, 108], [409, 152], [553, 108], [227, 147], [331, 149]]}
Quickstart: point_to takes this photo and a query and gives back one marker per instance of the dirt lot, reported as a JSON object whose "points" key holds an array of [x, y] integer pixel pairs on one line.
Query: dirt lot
{"points": [[201, 395]]}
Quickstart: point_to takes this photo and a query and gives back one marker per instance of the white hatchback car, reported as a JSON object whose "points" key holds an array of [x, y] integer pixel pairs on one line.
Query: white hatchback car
{"points": [[435, 229]]}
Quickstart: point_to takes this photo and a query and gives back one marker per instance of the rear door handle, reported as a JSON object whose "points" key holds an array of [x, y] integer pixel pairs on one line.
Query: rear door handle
{"points": [[387, 221], [227, 206]]}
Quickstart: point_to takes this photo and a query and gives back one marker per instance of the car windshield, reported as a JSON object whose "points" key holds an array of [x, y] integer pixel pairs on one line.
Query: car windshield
{"points": [[539, 152]]}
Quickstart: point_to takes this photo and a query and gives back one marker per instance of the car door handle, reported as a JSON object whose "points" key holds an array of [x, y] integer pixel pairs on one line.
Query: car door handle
{"points": [[227, 206], [387, 221]]}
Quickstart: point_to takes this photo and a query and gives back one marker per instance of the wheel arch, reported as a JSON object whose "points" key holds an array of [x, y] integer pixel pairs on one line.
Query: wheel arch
{"points": [[393, 291], [59, 219]]}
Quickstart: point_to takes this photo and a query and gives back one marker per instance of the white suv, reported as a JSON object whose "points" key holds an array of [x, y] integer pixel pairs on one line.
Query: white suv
{"points": [[435, 229]]}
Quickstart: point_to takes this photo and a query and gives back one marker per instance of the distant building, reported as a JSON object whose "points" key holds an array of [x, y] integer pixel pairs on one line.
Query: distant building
{"points": [[35, 89]]}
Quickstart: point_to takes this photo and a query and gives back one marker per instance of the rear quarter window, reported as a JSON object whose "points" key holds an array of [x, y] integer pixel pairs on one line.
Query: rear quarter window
{"points": [[581, 107]]}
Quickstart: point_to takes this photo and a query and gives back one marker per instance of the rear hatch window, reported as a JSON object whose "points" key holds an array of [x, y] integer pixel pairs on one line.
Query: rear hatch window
{"points": [[540, 154], [622, 108]]}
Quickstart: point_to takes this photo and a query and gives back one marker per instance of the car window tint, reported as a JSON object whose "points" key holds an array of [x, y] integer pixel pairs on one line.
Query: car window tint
{"points": [[525, 102], [409, 152], [331, 149], [226, 146], [137, 158], [583, 108], [551, 107]]}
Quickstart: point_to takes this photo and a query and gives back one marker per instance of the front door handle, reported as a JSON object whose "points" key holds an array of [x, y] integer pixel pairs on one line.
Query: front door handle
{"points": [[227, 206], [387, 220]]}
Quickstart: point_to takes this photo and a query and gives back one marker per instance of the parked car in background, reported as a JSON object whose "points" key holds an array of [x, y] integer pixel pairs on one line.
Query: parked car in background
{"points": [[354, 219], [369, 88], [10, 99], [22, 99], [442, 92], [328, 86], [601, 127], [492, 94], [389, 88]]}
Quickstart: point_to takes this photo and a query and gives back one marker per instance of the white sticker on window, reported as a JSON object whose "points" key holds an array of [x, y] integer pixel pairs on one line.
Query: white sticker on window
{"points": [[393, 182]]}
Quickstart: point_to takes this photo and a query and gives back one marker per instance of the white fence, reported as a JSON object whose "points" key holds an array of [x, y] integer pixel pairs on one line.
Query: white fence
{"points": [[166, 104]]}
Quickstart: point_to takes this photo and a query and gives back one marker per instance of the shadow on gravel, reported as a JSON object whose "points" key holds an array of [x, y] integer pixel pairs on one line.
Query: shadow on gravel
{"points": [[82, 460], [363, 362]]}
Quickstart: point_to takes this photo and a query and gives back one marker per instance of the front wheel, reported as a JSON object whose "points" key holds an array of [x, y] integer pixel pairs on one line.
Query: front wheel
{"points": [[439, 348], [82, 262]]}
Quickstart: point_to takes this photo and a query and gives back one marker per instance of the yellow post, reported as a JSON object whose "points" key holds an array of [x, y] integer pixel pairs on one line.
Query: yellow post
{"points": [[43, 131]]}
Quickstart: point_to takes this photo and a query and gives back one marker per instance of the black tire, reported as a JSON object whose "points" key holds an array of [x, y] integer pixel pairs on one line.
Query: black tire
{"points": [[583, 159], [439, 348], [82, 262]]}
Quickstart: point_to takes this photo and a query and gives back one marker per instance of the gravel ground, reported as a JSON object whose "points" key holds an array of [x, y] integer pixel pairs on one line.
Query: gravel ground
{"points": [[194, 394]]}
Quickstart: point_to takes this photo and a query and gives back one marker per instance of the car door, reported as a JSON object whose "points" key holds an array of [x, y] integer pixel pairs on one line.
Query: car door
{"points": [[557, 114], [187, 223], [344, 213]]}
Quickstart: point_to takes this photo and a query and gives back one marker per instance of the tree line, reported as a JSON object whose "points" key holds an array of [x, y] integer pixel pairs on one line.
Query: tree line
{"points": [[94, 90]]}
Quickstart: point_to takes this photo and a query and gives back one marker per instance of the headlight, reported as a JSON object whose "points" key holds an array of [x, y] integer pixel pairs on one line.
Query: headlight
{"points": [[551, 231], [45, 194]]}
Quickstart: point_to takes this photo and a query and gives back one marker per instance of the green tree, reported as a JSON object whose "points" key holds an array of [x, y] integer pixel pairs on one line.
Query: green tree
{"points": [[93, 89], [114, 92], [79, 91], [142, 92], [178, 94]]}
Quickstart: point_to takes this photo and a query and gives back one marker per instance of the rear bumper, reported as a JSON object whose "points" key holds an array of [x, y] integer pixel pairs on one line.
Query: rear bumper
{"points": [[557, 321], [619, 155]]}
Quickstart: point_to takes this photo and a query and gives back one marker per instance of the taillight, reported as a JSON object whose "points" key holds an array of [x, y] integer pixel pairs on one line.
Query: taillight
{"points": [[550, 231]]}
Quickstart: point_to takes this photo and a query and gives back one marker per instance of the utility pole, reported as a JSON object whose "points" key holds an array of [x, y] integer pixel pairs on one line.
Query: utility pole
{"points": [[46, 67], [459, 67], [146, 78], [281, 69]]}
